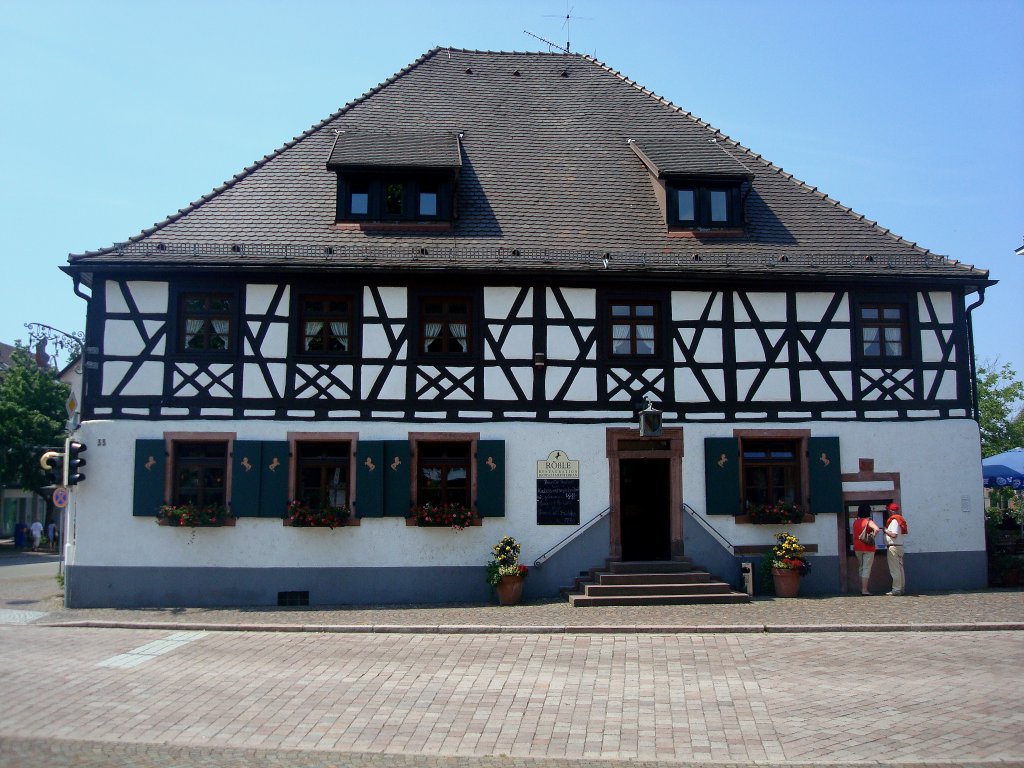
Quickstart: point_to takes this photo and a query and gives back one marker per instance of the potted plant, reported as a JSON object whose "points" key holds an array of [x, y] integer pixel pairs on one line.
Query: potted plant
{"points": [[788, 564], [779, 513], [194, 516], [302, 515], [505, 573], [455, 516]]}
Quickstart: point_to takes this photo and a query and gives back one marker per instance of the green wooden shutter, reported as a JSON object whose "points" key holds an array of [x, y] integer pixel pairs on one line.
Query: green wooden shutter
{"points": [[397, 462], [150, 473], [274, 479], [826, 483], [722, 475], [370, 468], [246, 460], [490, 478]]}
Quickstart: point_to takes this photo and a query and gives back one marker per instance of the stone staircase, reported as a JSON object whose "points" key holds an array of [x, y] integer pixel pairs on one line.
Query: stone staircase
{"points": [[658, 582]]}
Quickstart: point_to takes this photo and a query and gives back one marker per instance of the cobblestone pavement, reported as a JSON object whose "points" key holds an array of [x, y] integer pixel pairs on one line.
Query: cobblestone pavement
{"points": [[994, 608], [205, 698]]}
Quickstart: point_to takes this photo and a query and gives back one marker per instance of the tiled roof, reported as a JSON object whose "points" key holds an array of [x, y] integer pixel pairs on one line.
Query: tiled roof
{"points": [[360, 149], [546, 168]]}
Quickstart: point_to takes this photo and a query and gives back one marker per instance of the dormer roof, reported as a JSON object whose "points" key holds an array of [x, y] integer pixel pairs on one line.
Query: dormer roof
{"points": [[356, 149]]}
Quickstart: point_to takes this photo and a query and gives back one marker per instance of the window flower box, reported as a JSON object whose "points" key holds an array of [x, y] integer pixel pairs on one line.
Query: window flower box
{"points": [[193, 516], [779, 513], [454, 516], [302, 515]]}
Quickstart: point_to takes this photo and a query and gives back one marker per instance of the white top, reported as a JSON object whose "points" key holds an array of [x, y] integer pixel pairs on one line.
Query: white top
{"points": [[36, 528], [893, 533]]}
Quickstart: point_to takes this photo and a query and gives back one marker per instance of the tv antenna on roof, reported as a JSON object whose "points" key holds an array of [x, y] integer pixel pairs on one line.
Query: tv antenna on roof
{"points": [[565, 25]]}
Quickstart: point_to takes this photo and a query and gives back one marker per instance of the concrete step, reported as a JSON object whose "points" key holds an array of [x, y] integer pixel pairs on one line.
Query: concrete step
{"points": [[584, 601], [651, 566], [693, 577], [644, 590]]}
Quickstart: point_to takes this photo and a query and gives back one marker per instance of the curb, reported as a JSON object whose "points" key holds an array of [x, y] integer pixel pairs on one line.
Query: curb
{"points": [[548, 629]]}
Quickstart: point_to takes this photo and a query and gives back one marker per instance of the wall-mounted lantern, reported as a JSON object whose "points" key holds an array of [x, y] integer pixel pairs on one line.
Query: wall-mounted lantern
{"points": [[650, 421]]}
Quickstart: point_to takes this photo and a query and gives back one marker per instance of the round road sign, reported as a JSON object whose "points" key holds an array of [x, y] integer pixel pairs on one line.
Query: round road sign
{"points": [[60, 497]]}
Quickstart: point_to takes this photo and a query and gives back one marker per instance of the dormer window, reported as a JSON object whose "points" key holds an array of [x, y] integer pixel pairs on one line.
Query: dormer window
{"points": [[692, 204], [399, 180]]}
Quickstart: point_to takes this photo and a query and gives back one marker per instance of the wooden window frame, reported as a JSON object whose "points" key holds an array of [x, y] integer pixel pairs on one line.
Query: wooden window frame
{"points": [[863, 324], [702, 190], [417, 439], [445, 318], [326, 317], [633, 321], [352, 438], [376, 189], [173, 439], [207, 316], [799, 437]]}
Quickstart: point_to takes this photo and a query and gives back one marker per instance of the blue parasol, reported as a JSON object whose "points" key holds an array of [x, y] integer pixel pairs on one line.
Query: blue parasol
{"points": [[1004, 470]]}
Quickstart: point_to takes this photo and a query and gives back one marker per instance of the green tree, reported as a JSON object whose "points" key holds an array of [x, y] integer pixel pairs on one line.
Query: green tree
{"points": [[1000, 413], [32, 417]]}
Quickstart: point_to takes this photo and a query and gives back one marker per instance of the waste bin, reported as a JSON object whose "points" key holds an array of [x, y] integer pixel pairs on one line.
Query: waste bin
{"points": [[20, 536], [747, 570]]}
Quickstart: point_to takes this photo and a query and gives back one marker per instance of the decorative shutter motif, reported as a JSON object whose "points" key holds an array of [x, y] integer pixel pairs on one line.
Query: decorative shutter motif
{"points": [[823, 467], [490, 478], [274, 479], [397, 468], [370, 468], [150, 472], [722, 475], [246, 461]]}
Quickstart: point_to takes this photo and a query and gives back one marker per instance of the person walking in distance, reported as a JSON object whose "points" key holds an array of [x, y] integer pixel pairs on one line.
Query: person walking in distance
{"points": [[865, 551], [895, 529], [37, 533]]}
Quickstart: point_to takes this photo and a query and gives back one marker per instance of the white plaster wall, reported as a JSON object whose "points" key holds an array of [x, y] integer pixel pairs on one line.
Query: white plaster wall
{"points": [[149, 296], [940, 471], [258, 298], [938, 461], [770, 307], [689, 305], [498, 302], [582, 303], [395, 301], [942, 302]]}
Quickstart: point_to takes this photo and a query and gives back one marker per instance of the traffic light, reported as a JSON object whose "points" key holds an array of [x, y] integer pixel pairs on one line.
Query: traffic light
{"points": [[53, 463], [75, 462]]}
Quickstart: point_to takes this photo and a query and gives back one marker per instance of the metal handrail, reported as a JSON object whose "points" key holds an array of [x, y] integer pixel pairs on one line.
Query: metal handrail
{"points": [[709, 527], [540, 560]]}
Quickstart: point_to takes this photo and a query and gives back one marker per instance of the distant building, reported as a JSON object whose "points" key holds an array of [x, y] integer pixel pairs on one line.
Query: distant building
{"points": [[460, 289]]}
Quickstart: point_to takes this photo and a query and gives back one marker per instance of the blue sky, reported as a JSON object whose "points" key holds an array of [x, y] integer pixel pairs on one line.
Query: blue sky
{"points": [[118, 114]]}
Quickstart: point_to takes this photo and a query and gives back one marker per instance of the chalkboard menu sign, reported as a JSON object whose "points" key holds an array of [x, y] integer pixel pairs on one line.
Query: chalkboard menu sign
{"points": [[558, 490]]}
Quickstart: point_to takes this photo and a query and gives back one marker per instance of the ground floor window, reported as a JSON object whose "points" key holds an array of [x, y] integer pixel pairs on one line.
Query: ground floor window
{"points": [[200, 473], [443, 471], [322, 473], [771, 472]]}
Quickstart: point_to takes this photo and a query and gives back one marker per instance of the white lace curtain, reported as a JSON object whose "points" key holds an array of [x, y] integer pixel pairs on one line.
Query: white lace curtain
{"points": [[459, 334], [430, 331]]}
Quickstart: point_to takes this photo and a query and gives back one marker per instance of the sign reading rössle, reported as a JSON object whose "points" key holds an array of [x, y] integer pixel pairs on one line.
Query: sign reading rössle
{"points": [[558, 490]]}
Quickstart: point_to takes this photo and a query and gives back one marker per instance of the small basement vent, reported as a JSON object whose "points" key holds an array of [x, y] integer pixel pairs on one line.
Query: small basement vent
{"points": [[293, 598]]}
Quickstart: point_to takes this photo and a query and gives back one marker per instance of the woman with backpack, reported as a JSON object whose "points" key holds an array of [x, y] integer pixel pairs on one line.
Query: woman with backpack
{"points": [[864, 532]]}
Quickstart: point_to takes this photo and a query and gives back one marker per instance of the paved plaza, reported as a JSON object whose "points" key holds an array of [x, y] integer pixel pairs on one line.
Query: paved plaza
{"points": [[920, 680]]}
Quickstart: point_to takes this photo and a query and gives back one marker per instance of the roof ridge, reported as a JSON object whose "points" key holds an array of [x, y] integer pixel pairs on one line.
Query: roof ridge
{"points": [[758, 157], [250, 169]]}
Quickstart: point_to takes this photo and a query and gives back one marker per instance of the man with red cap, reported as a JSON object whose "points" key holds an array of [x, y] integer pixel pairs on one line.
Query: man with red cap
{"points": [[895, 529]]}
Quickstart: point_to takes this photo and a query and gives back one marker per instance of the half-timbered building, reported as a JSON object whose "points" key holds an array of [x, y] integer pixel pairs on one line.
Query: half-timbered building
{"points": [[461, 288]]}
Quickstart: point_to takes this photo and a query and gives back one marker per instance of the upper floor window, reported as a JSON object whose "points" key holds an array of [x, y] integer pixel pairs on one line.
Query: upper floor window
{"points": [[322, 473], [326, 323], [445, 326], [394, 198], [703, 205], [200, 473], [883, 330], [205, 321], [443, 472], [634, 329]]}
